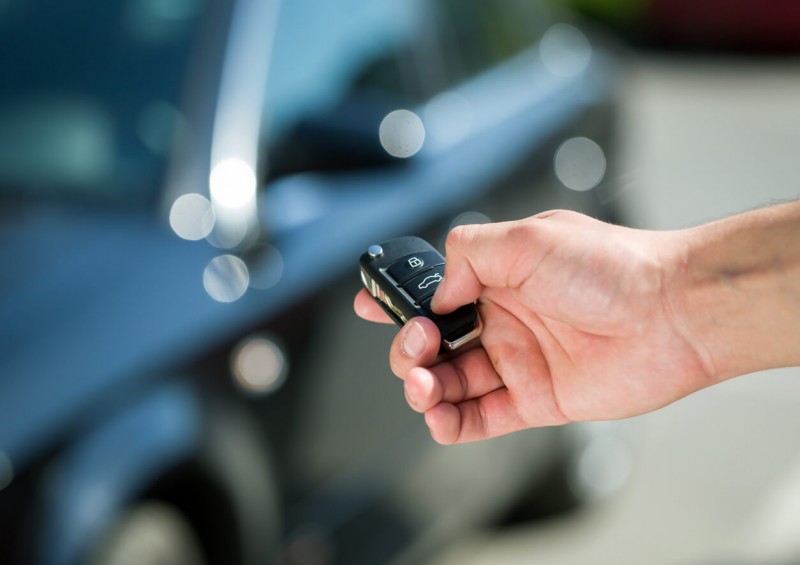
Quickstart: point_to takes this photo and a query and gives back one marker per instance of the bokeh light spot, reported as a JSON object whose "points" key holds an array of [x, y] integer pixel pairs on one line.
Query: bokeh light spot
{"points": [[580, 164], [603, 468], [402, 133], [470, 218], [157, 21], [158, 126], [448, 117], [232, 183], [265, 264], [226, 278], [259, 365], [565, 50], [192, 217]]}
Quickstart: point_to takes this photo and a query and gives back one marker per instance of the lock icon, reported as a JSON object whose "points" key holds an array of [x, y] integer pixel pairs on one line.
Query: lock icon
{"points": [[415, 262]]}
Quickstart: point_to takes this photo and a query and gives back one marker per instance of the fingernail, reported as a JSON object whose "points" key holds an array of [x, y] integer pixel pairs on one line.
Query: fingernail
{"points": [[414, 340]]}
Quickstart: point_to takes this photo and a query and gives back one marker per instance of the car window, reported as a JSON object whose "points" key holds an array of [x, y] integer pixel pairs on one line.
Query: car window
{"points": [[90, 99], [414, 48], [333, 80], [320, 47], [89, 95]]}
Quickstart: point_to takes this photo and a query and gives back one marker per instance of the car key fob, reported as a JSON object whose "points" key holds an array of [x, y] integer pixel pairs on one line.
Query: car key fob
{"points": [[402, 275]]}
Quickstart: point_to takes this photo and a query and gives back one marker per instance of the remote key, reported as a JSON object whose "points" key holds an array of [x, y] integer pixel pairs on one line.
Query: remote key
{"points": [[402, 274]]}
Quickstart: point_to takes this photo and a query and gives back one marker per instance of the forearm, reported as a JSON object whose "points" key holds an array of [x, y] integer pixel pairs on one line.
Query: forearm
{"points": [[737, 290]]}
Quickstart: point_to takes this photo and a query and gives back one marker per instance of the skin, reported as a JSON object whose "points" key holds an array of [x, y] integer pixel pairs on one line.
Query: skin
{"points": [[585, 320]]}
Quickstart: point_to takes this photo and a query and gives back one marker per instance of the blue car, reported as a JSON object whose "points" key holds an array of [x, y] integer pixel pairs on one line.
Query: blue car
{"points": [[185, 188]]}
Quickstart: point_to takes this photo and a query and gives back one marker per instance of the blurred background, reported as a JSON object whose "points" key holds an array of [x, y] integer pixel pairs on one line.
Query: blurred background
{"points": [[185, 187], [715, 478]]}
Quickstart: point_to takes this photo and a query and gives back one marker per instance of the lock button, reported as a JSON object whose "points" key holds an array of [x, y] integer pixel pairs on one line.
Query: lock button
{"points": [[412, 265]]}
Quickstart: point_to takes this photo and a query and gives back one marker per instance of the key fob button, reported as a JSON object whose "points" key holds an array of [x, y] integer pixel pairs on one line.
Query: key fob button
{"points": [[402, 275], [424, 284], [412, 265]]}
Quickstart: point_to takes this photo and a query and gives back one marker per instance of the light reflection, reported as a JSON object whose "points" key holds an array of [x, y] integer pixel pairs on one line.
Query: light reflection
{"points": [[6, 471], [192, 217], [565, 50], [402, 133], [259, 365], [448, 117], [603, 468], [265, 264], [59, 141], [465, 219], [470, 218], [580, 164], [226, 278], [232, 184], [235, 146]]}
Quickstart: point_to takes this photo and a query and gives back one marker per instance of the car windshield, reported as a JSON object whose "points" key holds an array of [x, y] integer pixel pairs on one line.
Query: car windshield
{"points": [[412, 49], [89, 96], [91, 92]]}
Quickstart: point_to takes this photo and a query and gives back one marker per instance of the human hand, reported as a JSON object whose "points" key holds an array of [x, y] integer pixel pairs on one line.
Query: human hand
{"points": [[576, 327], [582, 321]]}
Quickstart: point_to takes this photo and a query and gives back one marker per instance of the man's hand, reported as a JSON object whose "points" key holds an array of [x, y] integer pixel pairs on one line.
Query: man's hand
{"points": [[582, 321]]}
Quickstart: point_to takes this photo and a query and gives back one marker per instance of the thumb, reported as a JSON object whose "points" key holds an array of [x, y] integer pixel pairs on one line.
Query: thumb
{"points": [[478, 256]]}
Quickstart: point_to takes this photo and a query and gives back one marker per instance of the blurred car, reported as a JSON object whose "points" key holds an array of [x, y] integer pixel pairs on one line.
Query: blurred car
{"points": [[186, 186]]}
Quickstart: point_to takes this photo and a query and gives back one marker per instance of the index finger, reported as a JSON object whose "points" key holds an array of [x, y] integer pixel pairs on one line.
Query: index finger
{"points": [[366, 307], [480, 256]]}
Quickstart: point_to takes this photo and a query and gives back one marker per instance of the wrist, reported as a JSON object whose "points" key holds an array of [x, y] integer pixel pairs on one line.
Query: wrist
{"points": [[738, 290]]}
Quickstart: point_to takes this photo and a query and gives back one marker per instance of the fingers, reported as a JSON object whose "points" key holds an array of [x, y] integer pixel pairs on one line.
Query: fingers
{"points": [[551, 263], [500, 387], [466, 376], [415, 345], [478, 256], [463, 399], [366, 307], [463, 281], [474, 420]]}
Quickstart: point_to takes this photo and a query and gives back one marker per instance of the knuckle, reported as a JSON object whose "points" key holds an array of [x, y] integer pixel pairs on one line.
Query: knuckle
{"points": [[460, 236], [557, 214]]}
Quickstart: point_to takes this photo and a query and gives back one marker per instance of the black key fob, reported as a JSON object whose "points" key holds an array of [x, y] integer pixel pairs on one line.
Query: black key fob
{"points": [[402, 274]]}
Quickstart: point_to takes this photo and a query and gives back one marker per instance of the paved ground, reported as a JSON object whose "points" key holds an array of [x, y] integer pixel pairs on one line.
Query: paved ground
{"points": [[716, 477]]}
